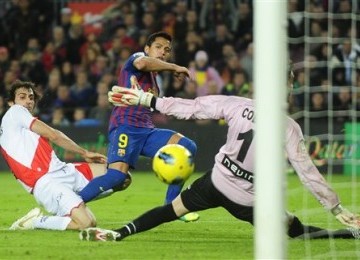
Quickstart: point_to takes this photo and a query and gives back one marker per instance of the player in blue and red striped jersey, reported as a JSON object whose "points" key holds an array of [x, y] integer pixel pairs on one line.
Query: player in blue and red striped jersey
{"points": [[131, 130]]}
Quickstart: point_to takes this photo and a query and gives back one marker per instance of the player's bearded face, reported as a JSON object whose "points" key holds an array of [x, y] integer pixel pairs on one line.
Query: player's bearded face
{"points": [[159, 49], [25, 97]]}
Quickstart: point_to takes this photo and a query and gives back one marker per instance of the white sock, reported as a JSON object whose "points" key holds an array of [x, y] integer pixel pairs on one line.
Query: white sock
{"points": [[52, 222]]}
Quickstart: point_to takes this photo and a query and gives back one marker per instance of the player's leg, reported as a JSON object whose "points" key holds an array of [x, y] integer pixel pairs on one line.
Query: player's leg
{"points": [[195, 198], [56, 193], [298, 230], [157, 139], [93, 170], [124, 149]]}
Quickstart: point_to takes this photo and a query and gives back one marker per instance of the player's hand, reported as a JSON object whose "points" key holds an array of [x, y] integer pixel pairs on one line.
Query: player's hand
{"points": [[182, 72], [120, 96], [346, 217], [92, 157]]}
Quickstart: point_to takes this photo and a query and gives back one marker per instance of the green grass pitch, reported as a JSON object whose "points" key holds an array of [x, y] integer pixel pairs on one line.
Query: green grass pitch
{"points": [[217, 235]]}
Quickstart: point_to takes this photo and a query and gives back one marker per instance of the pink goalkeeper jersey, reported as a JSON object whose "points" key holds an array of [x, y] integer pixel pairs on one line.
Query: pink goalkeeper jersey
{"points": [[28, 155], [233, 171]]}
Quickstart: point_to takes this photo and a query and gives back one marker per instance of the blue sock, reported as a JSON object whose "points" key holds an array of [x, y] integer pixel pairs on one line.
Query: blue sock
{"points": [[172, 192], [174, 189], [102, 183], [188, 144]]}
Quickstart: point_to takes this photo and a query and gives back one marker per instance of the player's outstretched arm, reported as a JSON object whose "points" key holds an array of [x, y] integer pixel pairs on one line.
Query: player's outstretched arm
{"points": [[312, 179], [59, 138], [146, 63]]}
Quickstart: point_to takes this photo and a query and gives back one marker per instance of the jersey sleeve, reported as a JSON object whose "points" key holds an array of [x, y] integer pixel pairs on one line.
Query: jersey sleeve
{"points": [[305, 168], [21, 116], [206, 107], [129, 69]]}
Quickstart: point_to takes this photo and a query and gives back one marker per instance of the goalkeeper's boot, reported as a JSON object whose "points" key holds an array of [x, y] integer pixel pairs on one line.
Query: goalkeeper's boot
{"points": [[190, 217], [99, 234], [27, 221]]}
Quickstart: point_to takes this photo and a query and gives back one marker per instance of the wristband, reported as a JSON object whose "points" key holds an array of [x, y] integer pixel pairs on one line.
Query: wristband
{"points": [[337, 209], [153, 103]]}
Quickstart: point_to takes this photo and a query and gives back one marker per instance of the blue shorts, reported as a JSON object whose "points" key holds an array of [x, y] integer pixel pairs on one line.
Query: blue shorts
{"points": [[127, 143]]}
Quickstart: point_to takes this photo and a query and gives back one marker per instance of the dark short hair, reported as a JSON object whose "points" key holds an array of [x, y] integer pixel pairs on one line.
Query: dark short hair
{"points": [[17, 84], [153, 37]]}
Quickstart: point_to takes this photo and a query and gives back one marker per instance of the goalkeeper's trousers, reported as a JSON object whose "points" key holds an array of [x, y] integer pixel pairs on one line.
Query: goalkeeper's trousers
{"points": [[298, 230]]}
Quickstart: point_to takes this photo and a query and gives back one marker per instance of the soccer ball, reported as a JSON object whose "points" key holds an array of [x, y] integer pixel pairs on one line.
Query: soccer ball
{"points": [[173, 164]]}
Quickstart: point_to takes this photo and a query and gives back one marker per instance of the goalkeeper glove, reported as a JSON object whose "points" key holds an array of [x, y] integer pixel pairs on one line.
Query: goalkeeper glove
{"points": [[120, 96], [346, 217]]}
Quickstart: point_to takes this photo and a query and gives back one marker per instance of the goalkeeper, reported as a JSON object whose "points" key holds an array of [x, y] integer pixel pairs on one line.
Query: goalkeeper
{"points": [[230, 182]]}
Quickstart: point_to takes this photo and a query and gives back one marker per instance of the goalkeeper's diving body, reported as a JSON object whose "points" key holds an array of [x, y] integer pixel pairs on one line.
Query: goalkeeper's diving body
{"points": [[230, 182], [131, 130]]}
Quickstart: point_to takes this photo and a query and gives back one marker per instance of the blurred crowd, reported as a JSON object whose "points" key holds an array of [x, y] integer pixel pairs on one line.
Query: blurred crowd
{"points": [[45, 42]]}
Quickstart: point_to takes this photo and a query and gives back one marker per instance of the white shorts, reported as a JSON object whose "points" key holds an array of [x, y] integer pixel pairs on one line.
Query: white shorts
{"points": [[57, 191]]}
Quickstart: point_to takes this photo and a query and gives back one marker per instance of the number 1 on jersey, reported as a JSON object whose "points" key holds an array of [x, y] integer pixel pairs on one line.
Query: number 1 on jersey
{"points": [[247, 137]]}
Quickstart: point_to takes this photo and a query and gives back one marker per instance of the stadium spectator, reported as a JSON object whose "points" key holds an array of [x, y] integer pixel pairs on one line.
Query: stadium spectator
{"points": [[9, 78], [59, 41], [67, 73], [113, 53], [58, 118], [49, 59], [131, 129], [81, 118], [47, 102], [149, 24], [187, 49], [204, 73], [82, 92], [75, 40], [223, 186], [102, 88], [98, 69], [345, 55], [4, 61], [318, 102], [238, 86], [214, 13], [102, 111], [243, 25], [214, 44], [2, 107], [25, 145], [189, 91], [247, 61], [65, 101], [65, 21], [230, 67], [22, 24]]}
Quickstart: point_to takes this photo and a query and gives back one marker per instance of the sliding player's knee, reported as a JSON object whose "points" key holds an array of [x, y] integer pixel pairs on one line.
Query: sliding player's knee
{"points": [[84, 222], [189, 144]]}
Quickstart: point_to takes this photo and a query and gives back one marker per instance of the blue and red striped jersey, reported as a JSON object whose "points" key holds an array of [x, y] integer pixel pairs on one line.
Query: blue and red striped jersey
{"points": [[134, 115]]}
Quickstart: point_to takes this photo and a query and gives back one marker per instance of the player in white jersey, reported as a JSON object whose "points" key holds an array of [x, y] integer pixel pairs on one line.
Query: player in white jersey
{"points": [[25, 145], [230, 182]]}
